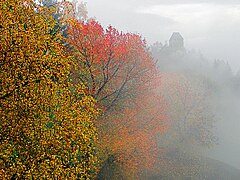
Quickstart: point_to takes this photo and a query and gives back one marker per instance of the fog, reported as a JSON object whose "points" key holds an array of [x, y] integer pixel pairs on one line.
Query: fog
{"points": [[210, 29], [210, 26], [120, 89]]}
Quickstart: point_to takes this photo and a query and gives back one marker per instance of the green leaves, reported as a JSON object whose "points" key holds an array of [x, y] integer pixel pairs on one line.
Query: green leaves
{"points": [[49, 125]]}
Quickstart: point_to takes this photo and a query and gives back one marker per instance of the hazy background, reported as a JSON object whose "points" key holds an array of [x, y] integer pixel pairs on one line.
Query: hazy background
{"points": [[211, 26]]}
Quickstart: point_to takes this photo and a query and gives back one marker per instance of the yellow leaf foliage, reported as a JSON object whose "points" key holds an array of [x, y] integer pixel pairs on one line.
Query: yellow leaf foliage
{"points": [[46, 124]]}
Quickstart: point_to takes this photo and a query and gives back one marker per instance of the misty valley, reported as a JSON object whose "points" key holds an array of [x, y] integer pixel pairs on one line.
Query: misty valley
{"points": [[84, 93]]}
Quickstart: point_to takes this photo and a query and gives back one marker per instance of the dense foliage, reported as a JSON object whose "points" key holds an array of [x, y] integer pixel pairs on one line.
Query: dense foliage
{"points": [[120, 73], [46, 126]]}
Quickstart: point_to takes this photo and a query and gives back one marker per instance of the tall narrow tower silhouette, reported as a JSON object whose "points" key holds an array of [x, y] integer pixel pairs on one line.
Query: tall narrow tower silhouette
{"points": [[176, 41]]}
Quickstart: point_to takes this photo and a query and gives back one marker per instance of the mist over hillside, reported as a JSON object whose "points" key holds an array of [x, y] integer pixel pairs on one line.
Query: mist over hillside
{"points": [[223, 84]]}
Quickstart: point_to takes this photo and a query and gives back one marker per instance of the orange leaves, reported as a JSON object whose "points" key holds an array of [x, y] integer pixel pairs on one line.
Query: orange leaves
{"points": [[131, 133], [120, 73], [108, 61]]}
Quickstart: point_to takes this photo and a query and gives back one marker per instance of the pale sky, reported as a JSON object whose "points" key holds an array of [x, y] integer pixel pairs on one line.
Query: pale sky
{"points": [[211, 26]]}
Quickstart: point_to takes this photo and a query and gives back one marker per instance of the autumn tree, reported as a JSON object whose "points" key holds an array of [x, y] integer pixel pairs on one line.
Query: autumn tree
{"points": [[191, 124], [189, 110], [111, 63], [46, 123], [119, 72], [129, 138]]}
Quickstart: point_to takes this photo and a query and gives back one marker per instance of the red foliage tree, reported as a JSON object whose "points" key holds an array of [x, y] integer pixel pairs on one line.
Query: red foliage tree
{"points": [[111, 63], [120, 73]]}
